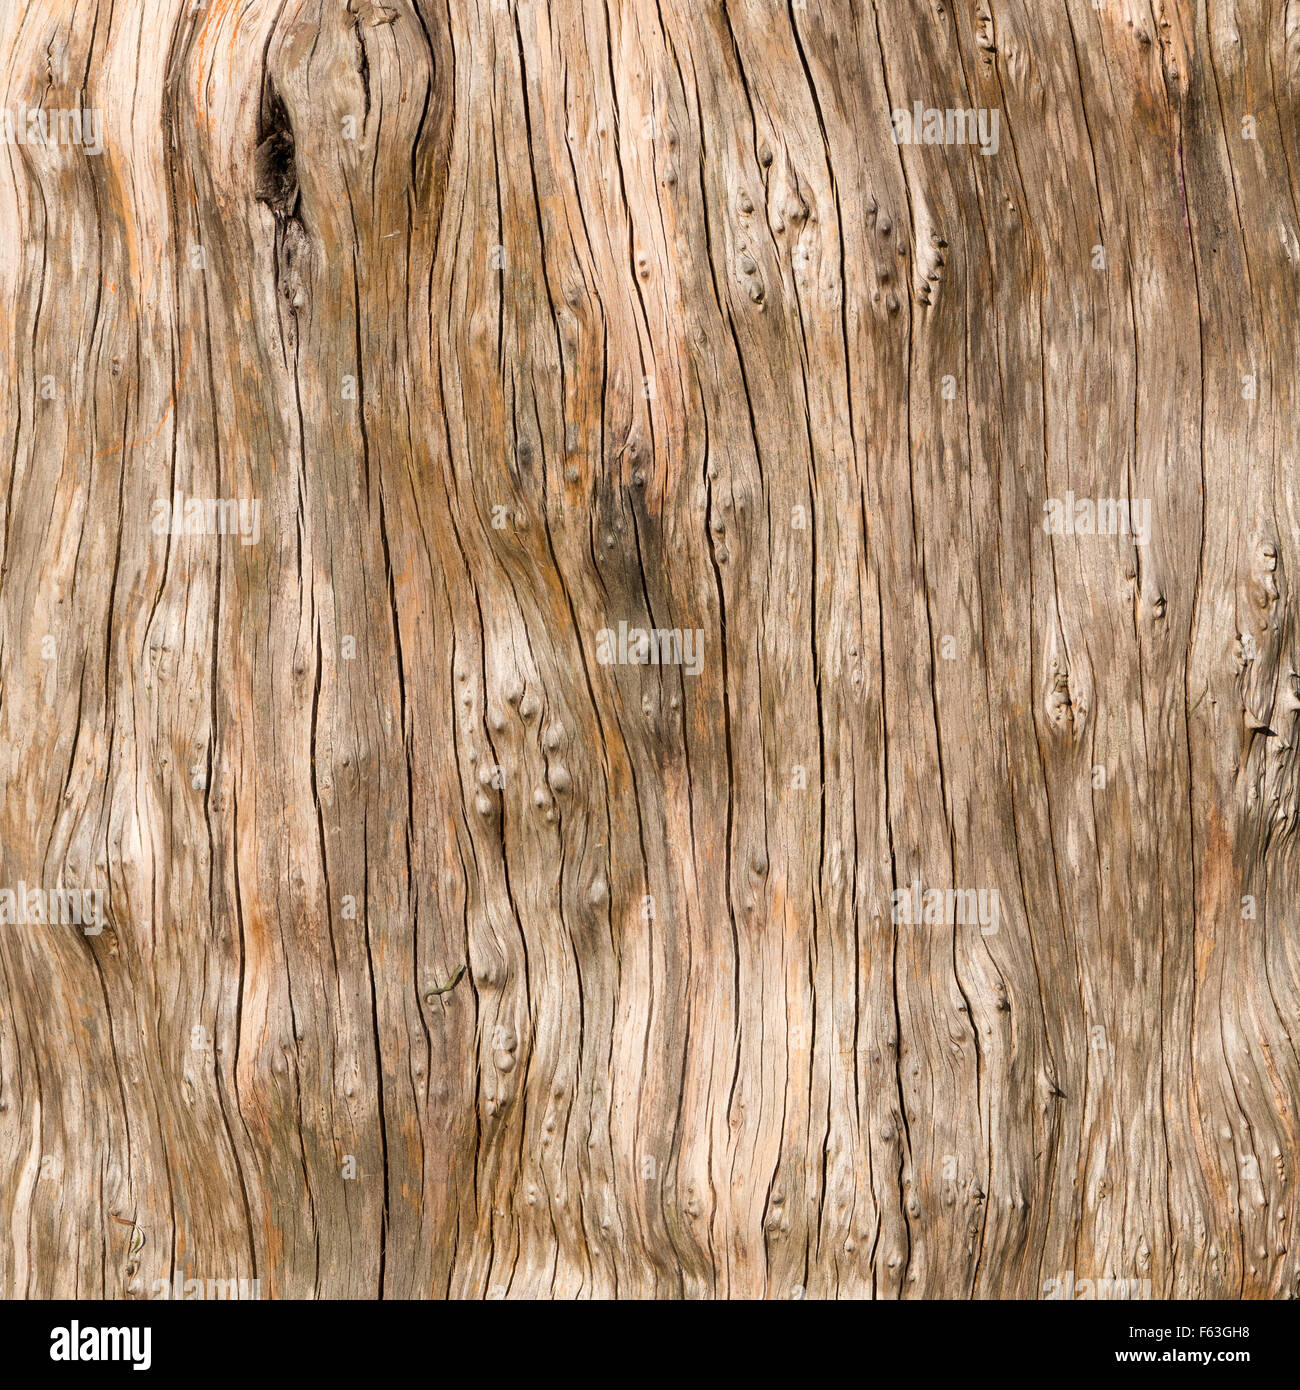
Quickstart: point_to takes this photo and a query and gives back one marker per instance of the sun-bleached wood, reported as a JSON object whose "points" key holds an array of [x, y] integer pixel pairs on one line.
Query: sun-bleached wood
{"points": [[524, 319]]}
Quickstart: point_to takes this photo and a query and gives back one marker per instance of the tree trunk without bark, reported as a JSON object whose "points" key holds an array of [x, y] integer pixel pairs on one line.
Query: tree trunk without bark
{"points": [[510, 323]]}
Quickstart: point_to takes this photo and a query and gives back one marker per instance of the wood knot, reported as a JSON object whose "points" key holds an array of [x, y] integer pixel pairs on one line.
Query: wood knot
{"points": [[275, 170], [1060, 703]]}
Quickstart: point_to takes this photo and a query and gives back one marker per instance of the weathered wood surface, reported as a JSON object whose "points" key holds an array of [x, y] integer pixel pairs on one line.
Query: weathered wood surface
{"points": [[521, 320]]}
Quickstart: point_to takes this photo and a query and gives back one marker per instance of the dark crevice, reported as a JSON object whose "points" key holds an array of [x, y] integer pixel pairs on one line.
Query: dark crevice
{"points": [[363, 59], [274, 165], [275, 169]]}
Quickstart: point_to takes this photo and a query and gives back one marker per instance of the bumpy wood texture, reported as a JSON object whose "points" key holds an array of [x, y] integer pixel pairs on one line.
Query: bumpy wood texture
{"points": [[522, 319]]}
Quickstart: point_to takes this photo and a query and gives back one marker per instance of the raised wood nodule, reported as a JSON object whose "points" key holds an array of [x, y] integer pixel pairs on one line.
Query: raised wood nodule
{"points": [[646, 648]]}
